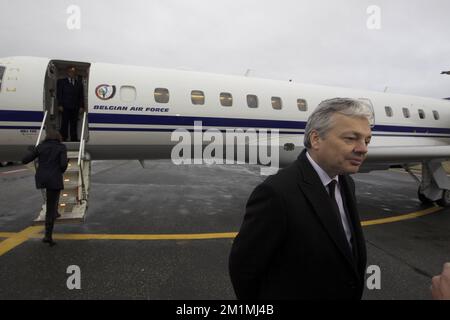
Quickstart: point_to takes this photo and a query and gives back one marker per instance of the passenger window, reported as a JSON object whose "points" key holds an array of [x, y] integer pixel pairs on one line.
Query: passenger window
{"points": [[435, 115], [277, 103], [302, 105], [252, 101], [406, 113], [421, 114], [226, 99], [197, 97], [127, 93], [161, 95], [2, 72], [389, 112]]}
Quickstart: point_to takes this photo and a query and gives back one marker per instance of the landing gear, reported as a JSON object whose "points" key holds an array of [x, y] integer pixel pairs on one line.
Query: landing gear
{"points": [[434, 185], [444, 201], [423, 198]]}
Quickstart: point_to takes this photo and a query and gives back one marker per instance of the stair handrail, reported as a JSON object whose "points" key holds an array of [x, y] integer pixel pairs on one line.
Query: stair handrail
{"points": [[42, 128], [37, 143], [82, 140], [81, 156]]}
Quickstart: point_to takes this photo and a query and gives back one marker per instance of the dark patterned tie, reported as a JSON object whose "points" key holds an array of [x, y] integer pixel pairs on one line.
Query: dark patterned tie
{"points": [[332, 189]]}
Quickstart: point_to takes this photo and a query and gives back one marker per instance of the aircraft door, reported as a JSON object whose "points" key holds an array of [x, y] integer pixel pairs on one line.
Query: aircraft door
{"points": [[57, 72]]}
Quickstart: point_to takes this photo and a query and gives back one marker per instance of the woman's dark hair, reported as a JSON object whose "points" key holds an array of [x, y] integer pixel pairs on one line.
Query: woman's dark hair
{"points": [[53, 135]]}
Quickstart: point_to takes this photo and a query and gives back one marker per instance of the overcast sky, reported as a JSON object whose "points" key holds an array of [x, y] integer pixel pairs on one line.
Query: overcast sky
{"points": [[320, 42]]}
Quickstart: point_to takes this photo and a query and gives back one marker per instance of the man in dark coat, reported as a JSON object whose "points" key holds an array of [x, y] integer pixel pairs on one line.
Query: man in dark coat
{"points": [[52, 157], [301, 237], [71, 101]]}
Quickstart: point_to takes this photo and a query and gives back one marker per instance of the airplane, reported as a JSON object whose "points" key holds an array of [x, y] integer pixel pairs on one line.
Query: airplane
{"points": [[131, 112]]}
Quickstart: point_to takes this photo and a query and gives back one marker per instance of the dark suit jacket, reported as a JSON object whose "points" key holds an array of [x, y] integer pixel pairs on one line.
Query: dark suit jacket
{"points": [[70, 96], [289, 245], [52, 157]]}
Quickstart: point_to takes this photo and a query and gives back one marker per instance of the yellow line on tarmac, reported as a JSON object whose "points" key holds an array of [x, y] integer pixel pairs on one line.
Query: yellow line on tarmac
{"points": [[6, 234], [18, 238], [401, 217], [226, 235], [198, 236], [15, 239]]}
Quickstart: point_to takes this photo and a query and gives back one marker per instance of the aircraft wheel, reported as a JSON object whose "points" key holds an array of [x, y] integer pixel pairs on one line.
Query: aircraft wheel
{"points": [[445, 200], [423, 198]]}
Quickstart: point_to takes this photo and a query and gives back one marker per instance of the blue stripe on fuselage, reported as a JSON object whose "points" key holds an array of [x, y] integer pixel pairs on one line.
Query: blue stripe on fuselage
{"points": [[189, 121], [101, 118], [21, 116]]}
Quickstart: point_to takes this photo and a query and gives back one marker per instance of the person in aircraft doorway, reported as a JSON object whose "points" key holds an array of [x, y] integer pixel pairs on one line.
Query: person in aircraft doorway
{"points": [[52, 157], [71, 103]]}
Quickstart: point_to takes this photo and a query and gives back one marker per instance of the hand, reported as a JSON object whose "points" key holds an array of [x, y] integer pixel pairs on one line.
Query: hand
{"points": [[440, 288], [61, 109], [81, 110]]}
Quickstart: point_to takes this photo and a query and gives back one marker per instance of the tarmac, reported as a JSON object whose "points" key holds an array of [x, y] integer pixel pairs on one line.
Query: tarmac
{"points": [[165, 232]]}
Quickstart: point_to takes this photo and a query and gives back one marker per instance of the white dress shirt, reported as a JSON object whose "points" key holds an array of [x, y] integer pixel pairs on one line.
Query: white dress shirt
{"points": [[325, 181]]}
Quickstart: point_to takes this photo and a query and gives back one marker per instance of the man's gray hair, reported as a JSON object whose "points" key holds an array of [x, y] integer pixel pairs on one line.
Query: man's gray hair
{"points": [[321, 119]]}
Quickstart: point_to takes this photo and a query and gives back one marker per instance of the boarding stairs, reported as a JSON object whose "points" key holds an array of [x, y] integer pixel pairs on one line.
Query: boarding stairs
{"points": [[73, 201]]}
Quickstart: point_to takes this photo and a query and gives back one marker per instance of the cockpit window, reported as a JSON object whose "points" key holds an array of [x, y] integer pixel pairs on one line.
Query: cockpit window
{"points": [[2, 71]]}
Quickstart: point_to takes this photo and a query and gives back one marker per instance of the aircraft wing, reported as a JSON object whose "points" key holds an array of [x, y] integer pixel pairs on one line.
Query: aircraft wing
{"points": [[407, 154]]}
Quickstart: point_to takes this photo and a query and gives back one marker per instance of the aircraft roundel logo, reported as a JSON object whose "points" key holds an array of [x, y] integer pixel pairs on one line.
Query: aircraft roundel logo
{"points": [[105, 91]]}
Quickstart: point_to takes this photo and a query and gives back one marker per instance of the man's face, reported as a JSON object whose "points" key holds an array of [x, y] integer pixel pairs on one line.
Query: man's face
{"points": [[71, 72], [344, 147]]}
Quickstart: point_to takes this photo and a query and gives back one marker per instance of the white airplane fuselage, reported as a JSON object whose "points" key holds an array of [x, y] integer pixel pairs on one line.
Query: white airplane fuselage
{"points": [[126, 121]]}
